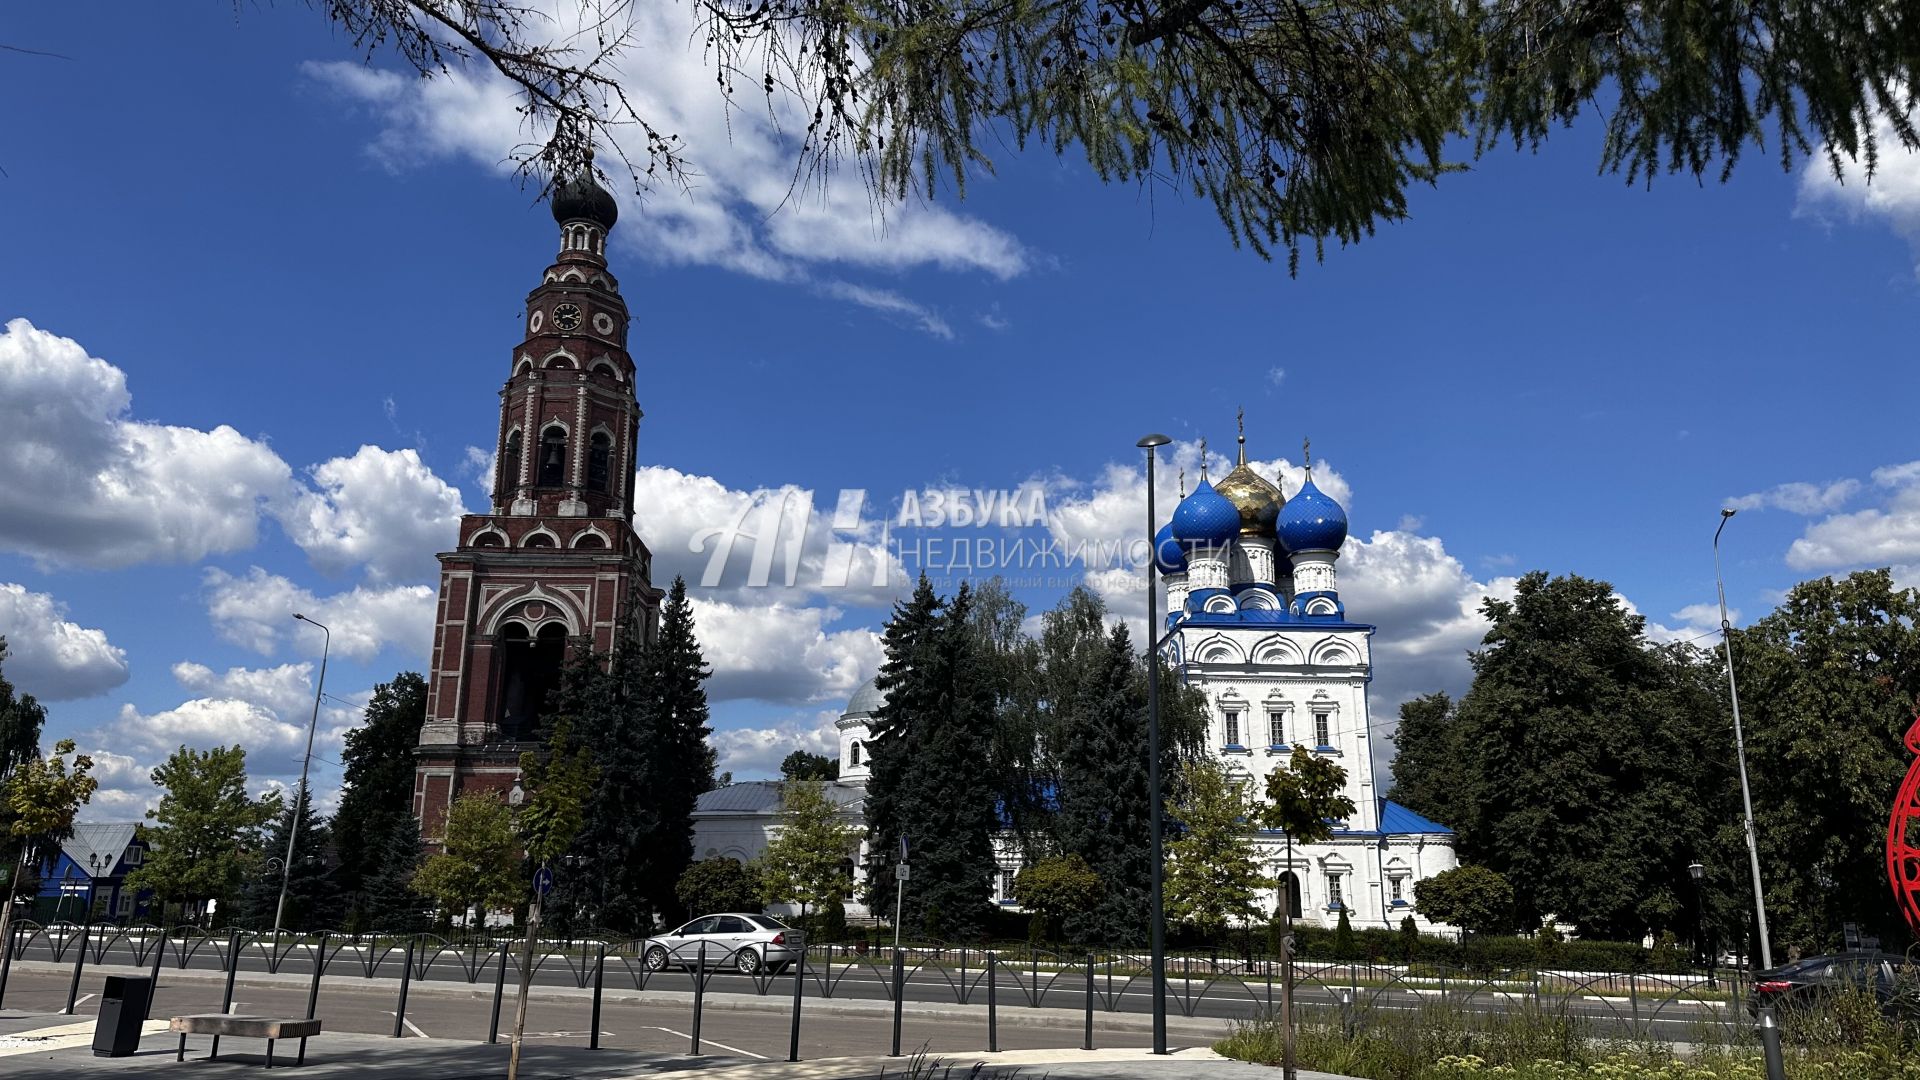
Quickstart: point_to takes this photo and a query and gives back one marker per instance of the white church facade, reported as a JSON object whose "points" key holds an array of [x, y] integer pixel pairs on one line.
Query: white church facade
{"points": [[1255, 621]]}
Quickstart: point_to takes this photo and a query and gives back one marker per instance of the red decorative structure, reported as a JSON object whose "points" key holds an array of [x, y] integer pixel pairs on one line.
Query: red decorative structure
{"points": [[1903, 837]]}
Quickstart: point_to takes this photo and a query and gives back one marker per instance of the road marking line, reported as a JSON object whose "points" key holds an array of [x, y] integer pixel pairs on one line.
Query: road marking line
{"points": [[77, 1002], [710, 1042], [411, 1026]]}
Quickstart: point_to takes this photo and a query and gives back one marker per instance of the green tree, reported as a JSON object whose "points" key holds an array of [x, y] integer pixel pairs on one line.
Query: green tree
{"points": [[377, 837], [1345, 945], [641, 714], [1212, 878], [1425, 758], [1827, 682], [21, 718], [1056, 889], [1105, 803], [1409, 940], [1299, 123], [939, 710], [1305, 795], [808, 861], [1473, 898], [39, 803], [1591, 766], [721, 884], [479, 861], [207, 830], [561, 780], [313, 895], [802, 765]]}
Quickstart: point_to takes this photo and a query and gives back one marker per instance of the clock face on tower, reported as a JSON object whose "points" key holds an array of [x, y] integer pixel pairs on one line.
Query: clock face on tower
{"points": [[566, 317]]}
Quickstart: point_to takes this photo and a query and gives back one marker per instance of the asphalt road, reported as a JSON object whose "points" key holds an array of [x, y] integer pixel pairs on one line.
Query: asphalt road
{"points": [[451, 1012], [949, 981]]}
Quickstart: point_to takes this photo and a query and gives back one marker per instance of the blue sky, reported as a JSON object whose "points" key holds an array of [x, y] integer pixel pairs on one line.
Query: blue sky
{"points": [[269, 295]]}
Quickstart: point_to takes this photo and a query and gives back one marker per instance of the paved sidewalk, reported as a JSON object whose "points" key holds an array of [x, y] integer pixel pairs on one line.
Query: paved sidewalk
{"points": [[64, 1049]]}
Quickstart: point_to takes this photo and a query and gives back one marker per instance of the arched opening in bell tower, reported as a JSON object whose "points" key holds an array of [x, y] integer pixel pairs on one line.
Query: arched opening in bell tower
{"points": [[553, 457], [529, 674]]}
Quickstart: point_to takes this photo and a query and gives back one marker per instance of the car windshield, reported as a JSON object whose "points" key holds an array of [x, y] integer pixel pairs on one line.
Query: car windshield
{"points": [[768, 922]]}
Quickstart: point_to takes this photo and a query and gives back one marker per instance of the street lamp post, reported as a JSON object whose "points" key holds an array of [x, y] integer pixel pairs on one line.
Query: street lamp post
{"points": [[300, 795], [1701, 945], [1151, 444], [1740, 749]]}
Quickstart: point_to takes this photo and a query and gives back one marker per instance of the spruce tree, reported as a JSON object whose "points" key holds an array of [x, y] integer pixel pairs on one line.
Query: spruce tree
{"points": [[910, 702], [375, 824], [954, 818], [1105, 805], [674, 712], [313, 891]]}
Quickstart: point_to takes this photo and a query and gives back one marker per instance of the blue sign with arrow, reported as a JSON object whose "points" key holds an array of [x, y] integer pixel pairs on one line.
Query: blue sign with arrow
{"points": [[543, 881]]}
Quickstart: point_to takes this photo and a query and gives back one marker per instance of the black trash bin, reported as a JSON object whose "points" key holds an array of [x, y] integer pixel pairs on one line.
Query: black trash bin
{"points": [[123, 1008]]}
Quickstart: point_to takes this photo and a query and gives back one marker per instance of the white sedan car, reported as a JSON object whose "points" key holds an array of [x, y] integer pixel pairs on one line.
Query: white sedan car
{"points": [[746, 943]]}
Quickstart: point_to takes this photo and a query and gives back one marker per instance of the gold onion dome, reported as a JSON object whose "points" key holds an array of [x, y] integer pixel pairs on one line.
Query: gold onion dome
{"points": [[1253, 495]]}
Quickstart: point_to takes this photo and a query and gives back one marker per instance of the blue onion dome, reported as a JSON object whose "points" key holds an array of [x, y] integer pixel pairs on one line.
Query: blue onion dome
{"points": [[581, 196], [1311, 521], [1168, 556], [1205, 518]]}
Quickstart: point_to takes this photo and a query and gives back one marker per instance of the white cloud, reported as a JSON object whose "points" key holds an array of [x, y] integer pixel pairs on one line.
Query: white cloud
{"points": [[782, 654], [205, 722], [888, 302], [744, 212], [256, 612], [126, 790], [85, 485], [1800, 498], [1885, 535], [1892, 195], [50, 657], [383, 509], [712, 535], [1701, 617], [286, 690], [752, 753]]}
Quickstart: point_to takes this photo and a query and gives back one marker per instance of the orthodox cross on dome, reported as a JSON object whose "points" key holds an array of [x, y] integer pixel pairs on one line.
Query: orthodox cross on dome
{"points": [[1183, 483], [1203, 459], [1240, 418], [1306, 451]]}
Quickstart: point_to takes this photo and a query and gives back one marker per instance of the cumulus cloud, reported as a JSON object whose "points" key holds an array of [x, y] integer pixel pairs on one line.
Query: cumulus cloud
{"points": [[51, 658], [1891, 196], [777, 653], [86, 485], [1884, 535], [381, 509], [744, 213], [285, 690], [769, 545], [256, 612], [753, 753], [1800, 497]]}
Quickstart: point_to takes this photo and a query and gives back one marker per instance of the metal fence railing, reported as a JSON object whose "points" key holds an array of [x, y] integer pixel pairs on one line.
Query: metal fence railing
{"points": [[1213, 984]]}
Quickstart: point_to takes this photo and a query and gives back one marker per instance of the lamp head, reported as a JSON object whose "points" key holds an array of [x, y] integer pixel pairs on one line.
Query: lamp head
{"points": [[299, 616], [1727, 512], [1148, 442], [1696, 870]]}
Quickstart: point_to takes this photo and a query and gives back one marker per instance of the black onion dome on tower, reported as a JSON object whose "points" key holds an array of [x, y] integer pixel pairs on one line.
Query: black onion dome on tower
{"points": [[582, 197]]}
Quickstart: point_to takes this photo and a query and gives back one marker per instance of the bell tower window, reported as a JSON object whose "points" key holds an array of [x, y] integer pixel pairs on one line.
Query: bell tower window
{"points": [[553, 457], [599, 461], [510, 462]]}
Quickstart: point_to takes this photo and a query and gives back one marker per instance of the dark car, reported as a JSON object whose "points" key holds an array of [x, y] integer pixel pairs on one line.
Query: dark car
{"points": [[1806, 982]]}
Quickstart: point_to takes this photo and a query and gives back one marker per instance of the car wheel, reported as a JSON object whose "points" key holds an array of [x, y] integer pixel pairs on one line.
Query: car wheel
{"points": [[746, 961], [656, 958]]}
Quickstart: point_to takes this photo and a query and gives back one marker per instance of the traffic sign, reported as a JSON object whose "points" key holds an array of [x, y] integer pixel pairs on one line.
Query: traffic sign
{"points": [[899, 871], [543, 880]]}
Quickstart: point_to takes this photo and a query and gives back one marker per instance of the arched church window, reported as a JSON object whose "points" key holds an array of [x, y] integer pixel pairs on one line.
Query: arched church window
{"points": [[553, 457], [589, 540], [538, 540], [1291, 882], [854, 758], [599, 461], [510, 461]]}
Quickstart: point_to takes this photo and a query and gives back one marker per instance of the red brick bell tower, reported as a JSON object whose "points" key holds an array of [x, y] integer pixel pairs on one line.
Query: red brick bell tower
{"points": [[552, 566]]}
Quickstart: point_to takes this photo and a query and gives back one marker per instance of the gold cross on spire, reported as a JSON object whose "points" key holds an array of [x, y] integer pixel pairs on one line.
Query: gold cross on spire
{"points": [[1240, 418]]}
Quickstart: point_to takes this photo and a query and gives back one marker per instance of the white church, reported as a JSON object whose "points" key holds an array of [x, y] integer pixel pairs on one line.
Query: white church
{"points": [[1254, 620]]}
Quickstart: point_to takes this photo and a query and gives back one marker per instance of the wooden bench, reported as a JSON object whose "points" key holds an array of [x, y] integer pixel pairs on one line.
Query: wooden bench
{"points": [[269, 1028]]}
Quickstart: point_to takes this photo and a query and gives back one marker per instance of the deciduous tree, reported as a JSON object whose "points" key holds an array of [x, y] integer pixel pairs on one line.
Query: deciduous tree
{"points": [[802, 765], [720, 884], [207, 830], [39, 803], [1212, 878], [808, 860], [479, 863], [1473, 898], [1056, 889]]}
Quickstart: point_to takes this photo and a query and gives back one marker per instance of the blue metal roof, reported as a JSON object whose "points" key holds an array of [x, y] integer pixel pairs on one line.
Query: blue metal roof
{"points": [[1395, 818]]}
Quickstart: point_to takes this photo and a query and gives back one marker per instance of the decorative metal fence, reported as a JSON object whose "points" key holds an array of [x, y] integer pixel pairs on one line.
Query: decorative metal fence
{"points": [[1214, 984]]}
